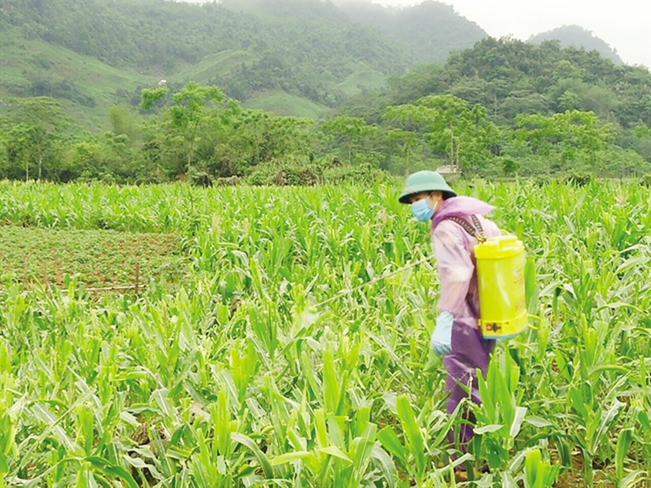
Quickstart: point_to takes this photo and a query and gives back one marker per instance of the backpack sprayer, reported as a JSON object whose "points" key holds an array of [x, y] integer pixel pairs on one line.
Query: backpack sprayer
{"points": [[500, 278], [500, 275], [501, 262]]}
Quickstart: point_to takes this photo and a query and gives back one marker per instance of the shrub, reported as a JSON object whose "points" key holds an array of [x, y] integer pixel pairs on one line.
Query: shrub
{"points": [[578, 178]]}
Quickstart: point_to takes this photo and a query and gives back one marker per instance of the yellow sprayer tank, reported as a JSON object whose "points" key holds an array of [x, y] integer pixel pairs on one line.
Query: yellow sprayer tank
{"points": [[500, 275]]}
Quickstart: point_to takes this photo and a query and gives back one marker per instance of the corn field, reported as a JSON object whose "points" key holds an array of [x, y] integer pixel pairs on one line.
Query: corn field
{"points": [[240, 375]]}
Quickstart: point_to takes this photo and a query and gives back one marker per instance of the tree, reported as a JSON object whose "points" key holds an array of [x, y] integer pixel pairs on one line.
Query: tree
{"points": [[34, 126], [464, 135], [188, 116], [20, 147], [123, 122], [568, 134], [569, 100], [350, 132], [406, 141], [642, 131]]}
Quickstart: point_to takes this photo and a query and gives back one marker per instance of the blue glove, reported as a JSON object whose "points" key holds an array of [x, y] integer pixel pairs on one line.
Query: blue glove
{"points": [[441, 342]]}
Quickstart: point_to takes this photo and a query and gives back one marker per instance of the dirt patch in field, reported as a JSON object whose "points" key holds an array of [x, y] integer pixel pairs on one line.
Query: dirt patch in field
{"points": [[98, 258]]}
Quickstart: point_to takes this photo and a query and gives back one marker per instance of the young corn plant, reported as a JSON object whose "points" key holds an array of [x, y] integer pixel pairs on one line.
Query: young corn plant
{"points": [[539, 473], [500, 416], [236, 376]]}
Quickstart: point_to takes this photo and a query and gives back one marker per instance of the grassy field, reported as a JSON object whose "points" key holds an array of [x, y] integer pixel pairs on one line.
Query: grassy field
{"points": [[219, 64], [27, 61], [228, 372], [92, 84], [363, 79], [282, 103]]}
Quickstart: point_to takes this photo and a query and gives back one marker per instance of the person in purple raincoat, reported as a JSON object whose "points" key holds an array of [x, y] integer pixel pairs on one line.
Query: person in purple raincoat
{"points": [[456, 336]]}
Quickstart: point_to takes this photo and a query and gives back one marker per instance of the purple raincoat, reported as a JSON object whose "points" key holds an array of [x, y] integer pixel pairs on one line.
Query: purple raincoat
{"points": [[455, 263]]}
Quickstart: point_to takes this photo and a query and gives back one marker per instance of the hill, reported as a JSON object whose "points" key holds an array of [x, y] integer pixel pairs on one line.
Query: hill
{"points": [[297, 57], [576, 36], [309, 50], [510, 80], [84, 85], [512, 77], [91, 54]]}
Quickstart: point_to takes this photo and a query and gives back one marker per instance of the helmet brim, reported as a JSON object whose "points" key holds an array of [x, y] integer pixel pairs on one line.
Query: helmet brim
{"points": [[424, 187]]}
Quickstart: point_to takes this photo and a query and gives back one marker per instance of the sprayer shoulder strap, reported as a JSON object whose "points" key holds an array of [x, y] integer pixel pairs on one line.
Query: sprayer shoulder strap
{"points": [[477, 231]]}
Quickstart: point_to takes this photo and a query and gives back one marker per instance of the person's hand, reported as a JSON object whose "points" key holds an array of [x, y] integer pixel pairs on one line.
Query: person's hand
{"points": [[441, 341]]}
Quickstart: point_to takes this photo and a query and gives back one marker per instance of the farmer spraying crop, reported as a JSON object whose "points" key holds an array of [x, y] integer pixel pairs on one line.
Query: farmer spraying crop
{"points": [[457, 336]]}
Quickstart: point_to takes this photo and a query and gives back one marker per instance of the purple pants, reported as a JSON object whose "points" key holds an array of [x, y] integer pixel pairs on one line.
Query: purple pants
{"points": [[469, 352]]}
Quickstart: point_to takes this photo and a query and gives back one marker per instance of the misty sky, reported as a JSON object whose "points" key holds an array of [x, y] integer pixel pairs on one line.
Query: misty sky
{"points": [[624, 24]]}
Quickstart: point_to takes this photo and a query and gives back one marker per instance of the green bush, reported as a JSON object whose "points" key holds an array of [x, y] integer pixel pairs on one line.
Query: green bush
{"points": [[313, 174], [578, 178], [362, 174], [285, 175]]}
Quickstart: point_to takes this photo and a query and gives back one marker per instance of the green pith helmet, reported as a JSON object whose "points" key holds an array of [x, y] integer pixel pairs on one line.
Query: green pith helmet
{"points": [[425, 181]]}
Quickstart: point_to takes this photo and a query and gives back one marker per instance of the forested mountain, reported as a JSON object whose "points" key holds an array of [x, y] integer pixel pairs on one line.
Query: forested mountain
{"points": [[576, 36], [511, 80], [511, 77], [307, 54], [321, 59], [431, 29]]}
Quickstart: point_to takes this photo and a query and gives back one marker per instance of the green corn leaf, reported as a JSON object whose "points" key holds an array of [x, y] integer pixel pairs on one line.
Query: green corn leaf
{"points": [[412, 432], [4, 465], [386, 465], [85, 479], [517, 460], [105, 467], [507, 480], [246, 441], [221, 420], [538, 422], [532, 469], [46, 416], [331, 387], [605, 423], [312, 378], [336, 452], [361, 450], [530, 285], [564, 449], [391, 443], [486, 394], [466, 458], [631, 263], [85, 418], [163, 463], [562, 366], [520, 413], [290, 457], [160, 397], [624, 440], [578, 402], [633, 479], [321, 430], [643, 418], [488, 428]]}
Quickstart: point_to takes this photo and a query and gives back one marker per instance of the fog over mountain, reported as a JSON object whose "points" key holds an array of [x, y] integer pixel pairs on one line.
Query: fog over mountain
{"points": [[623, 25]]}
